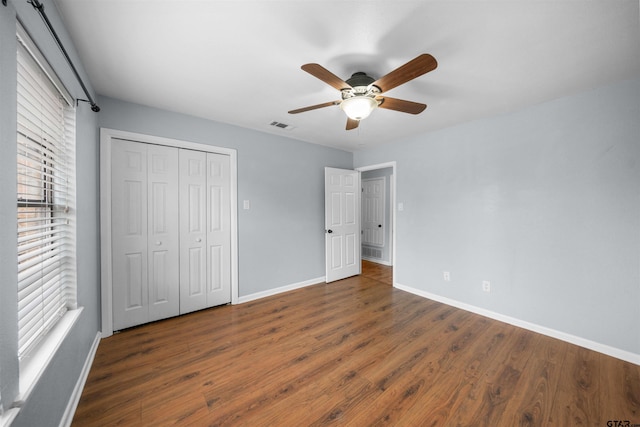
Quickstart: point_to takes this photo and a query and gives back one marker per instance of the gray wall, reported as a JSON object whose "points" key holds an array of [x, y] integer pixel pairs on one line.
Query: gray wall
{"points": [[544, 203], [281, 238], [48, 401], [386, 174]]}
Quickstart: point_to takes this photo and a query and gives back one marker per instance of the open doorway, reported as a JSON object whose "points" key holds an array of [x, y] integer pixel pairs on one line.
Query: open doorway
{"points": [[378, 220]]}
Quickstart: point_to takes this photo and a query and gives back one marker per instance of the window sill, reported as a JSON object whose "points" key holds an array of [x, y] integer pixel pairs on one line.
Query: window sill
{"points": [[7, 418], [33, 367]]}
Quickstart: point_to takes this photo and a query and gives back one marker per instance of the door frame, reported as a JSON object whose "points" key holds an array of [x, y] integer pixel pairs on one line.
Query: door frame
{"points": [[106, 138], [392, 211]]}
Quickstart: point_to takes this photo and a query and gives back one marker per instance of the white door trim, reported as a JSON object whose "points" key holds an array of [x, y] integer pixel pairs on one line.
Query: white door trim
{"points": [[392, 189], [106, 137]]}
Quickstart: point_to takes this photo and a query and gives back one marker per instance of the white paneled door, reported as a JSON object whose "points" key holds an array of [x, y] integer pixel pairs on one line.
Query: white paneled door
{"points": [[205, 231], [218, 230], [373, 211], [170, 231], [144, 233], [342, 223], [193, 230]]}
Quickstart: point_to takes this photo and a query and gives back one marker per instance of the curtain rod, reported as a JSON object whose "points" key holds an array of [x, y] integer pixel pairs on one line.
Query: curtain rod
{"points": [[40, 7]]}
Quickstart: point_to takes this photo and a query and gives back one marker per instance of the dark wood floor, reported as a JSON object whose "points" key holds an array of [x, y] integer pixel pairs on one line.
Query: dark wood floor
{"points": [[355, 352]]}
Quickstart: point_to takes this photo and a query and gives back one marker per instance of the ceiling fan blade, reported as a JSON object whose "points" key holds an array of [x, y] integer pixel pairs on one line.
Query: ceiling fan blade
{"points": [[326, 76], [351, 123], [314, 107], [409, 71], [401, 105]]}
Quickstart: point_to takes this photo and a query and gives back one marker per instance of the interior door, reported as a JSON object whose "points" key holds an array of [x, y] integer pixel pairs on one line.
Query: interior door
{"points": [[164, 232], [129, 234], [144, 233], [342, 223], [373, 197], [205, 230], [218, 229], [193, 230]]}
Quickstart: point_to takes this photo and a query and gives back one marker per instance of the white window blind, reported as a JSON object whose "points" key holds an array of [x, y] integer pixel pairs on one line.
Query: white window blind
{"points": [[45, 197]]}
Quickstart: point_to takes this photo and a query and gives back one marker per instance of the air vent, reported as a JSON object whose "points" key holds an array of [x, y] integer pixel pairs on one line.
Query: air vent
{"points": [[281, 125], [369, 252]]}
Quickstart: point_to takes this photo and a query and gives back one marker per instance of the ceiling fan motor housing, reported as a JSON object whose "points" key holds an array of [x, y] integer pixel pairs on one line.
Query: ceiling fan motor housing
{"points": [[360, 86], [360, 79]]}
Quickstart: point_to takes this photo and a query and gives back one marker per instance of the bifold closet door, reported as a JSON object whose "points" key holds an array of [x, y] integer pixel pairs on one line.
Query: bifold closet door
{"points": [[205, 230], [145, 233], [218, 229]]}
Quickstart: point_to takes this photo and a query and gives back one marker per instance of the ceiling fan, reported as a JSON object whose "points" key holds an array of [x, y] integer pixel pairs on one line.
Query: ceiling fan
{"points": [[361, 94]]}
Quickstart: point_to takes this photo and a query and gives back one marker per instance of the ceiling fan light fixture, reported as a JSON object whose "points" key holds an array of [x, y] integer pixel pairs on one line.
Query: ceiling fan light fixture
{"points": [[361, 94], [358, 107]]}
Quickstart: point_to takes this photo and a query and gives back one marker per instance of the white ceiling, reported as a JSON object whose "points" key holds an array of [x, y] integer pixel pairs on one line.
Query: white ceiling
{"points": [[239, 61]]}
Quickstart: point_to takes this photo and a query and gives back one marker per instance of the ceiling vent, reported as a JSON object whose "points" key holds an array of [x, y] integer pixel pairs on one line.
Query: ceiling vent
{"points": [[281, 125]]}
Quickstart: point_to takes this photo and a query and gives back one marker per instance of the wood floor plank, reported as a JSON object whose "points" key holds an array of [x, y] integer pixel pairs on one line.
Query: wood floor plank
{"points": [[538, 384], [356, 352], [501, 384], [181, 408], [579, 394], [439, 385], [312, 363], [457, 374], [621, 380]]}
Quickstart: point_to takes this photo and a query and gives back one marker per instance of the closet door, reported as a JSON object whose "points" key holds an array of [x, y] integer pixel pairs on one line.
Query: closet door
{"points": [[144, 227], [193, 230], [164, 232], [129, 234], [205, 230], [218, 230]]}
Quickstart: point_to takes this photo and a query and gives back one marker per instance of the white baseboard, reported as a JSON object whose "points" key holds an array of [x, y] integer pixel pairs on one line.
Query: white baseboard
{"points": [[582, 342], [69, 412], [377, 261], [280, 290], [7, 417]]}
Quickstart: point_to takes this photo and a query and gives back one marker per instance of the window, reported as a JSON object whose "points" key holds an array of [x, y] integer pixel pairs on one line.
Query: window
{"points": [[45, 198]]}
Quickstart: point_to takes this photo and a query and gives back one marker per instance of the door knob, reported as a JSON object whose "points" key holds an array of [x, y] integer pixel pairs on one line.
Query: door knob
{"points": [[198, 240], [158, 242], [379, 225], [329, 231]]}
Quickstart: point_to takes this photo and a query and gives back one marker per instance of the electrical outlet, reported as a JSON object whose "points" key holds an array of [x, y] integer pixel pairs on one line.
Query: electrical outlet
{"points": [[447, 276], [486, 286]]}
